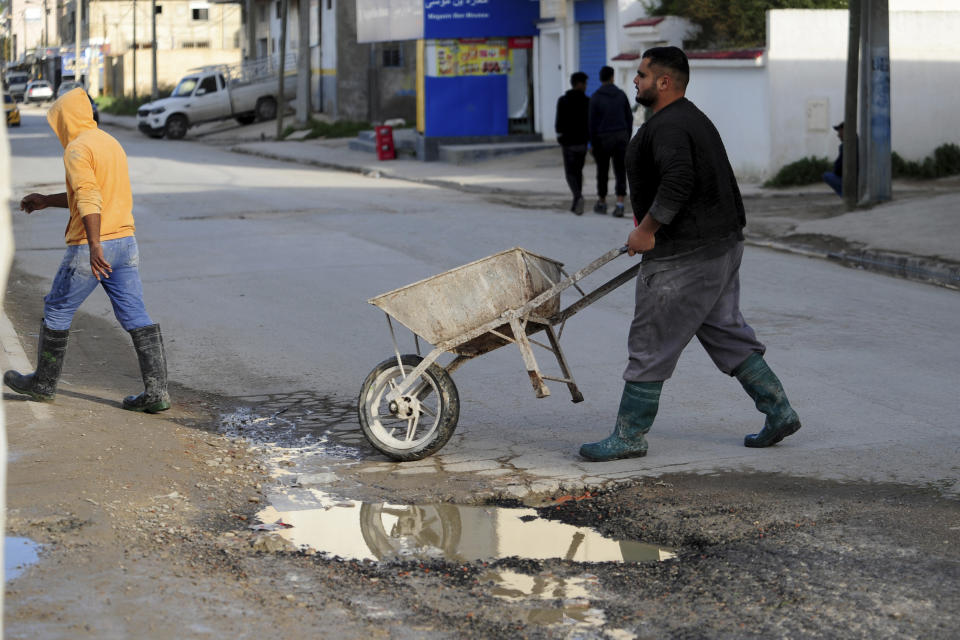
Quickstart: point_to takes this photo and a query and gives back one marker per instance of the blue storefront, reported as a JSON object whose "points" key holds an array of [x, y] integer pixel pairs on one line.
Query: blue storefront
{"points": [[474, 64]]}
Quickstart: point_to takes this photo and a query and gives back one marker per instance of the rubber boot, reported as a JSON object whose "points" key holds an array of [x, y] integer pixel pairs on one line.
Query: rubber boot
{"points": [[41, 385], [638, 408], [153, 368], [762, 385]]}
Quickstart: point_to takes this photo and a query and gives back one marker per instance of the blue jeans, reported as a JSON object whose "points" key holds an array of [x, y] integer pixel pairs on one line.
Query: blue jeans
{"points": [[75, 281], [835, 182]]}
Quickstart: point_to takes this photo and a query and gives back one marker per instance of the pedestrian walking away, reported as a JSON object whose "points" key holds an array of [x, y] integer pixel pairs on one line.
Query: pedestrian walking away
{"points": [[101, 249], [611, 121], [573, 134], [691, 217]]}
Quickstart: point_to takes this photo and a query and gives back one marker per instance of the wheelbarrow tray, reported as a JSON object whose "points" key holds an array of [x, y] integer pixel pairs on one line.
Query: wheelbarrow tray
{"points": [[459, 301]]}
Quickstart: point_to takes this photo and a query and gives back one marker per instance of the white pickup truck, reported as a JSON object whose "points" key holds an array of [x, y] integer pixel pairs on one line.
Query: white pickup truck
{"points": [[245, 92]]}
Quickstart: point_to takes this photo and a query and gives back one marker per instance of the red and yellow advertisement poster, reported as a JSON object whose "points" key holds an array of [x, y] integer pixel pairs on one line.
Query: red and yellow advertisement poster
{"points": [[472, 57], [483, 58]]}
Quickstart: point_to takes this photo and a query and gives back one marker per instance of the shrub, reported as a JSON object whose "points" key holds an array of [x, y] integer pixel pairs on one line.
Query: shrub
{"points": [[945, 161], [806, 171]]}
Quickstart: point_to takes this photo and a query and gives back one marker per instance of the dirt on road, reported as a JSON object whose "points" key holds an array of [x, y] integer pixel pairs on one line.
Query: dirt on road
{"points": [[144, 526]]}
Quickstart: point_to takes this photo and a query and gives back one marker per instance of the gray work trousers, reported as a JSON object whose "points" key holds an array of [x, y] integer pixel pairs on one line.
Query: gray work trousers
{"points": [[677, 300]]}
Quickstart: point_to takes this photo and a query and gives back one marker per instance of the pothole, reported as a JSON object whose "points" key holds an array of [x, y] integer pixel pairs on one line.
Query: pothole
{"points": [[381, 531]]}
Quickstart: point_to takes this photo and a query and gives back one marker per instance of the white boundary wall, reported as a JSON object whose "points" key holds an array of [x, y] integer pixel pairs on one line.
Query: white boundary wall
{"points": [[735, 96], [782, 108]]}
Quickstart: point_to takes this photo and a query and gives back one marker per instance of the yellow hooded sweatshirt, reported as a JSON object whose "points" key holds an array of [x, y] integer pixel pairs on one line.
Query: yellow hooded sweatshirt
{"points": [[98, 180]]}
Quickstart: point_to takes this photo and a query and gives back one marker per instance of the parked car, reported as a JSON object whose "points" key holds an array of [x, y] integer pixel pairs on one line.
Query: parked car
{"points": [[38, 91], [13, 113], [67, 86], [16, 84]]}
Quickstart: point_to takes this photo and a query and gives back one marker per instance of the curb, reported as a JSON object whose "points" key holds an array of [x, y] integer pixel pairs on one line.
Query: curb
{"points": [[917, 268], [940, 273]]}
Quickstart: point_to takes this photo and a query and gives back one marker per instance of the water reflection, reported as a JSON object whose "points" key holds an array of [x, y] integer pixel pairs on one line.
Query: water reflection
{"points": [[18, 554], [573, 595], [382, 531]]}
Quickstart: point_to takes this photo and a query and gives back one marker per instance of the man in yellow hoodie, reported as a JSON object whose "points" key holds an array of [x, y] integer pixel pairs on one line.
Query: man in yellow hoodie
{"points": [[101, 249]]}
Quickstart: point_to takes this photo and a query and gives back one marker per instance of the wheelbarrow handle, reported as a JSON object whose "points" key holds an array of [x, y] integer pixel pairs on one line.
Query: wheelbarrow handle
{"points": [[603, 289]]}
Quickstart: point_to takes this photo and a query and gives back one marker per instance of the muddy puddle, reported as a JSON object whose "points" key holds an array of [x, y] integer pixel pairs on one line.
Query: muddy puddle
{"points": [[18, 554], [381, 531]]}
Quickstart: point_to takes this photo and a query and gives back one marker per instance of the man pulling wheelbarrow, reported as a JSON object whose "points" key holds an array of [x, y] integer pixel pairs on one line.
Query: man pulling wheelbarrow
{"points": [[690, 219]]}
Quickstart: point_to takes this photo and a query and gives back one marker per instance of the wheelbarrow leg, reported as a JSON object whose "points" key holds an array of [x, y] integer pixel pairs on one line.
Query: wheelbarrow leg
{"points": [[520, 336], [562, 361]]}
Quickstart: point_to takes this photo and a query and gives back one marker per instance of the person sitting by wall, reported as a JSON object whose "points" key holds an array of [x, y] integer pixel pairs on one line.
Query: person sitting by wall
{"points": [[835, 178]]}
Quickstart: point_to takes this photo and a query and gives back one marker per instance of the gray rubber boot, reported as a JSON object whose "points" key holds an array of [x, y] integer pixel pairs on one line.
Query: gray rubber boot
{"points": [[153, 368], [41, 385], [638, 408], [762, 384]]}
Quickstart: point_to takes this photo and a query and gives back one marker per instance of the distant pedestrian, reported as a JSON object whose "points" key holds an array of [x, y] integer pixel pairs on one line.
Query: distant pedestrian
{"points": [[573, 133], [101, 249], [611, 122], [835, 178], [691, 218]]}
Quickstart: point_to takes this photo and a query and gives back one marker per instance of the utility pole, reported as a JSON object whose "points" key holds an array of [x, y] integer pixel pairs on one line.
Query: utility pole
{"points": [[283, 54], [303, 63], [134, 49], [875, 102], [78, 18], [249, 7], [154, 94], [851, 187]]}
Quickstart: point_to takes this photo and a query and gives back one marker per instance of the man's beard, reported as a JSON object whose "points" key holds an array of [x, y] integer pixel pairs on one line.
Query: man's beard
{"points": [[645, 99]]}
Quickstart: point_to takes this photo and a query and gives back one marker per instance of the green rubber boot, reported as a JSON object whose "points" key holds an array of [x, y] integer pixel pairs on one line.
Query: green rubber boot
{"points": [[638, 408], [41, 385], [764, 387], [153, 368]]}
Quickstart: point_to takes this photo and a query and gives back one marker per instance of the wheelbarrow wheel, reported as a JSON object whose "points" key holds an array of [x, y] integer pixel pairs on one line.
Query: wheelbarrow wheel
{"points": [[416, 425]]}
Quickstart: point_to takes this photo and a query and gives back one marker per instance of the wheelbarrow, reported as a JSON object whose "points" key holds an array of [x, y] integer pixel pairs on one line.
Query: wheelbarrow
{"points": [[408, 405]]}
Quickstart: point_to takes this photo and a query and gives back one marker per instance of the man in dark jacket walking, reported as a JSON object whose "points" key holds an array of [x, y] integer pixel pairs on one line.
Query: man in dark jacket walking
{"points": [[691, 216], [611, 122], [573, 134]]}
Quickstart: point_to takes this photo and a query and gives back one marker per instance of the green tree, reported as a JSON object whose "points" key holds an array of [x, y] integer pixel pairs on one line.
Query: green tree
{"points": [[731, 24]]}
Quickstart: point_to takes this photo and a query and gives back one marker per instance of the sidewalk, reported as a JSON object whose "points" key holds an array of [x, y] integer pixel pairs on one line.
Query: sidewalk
{"points": [[915, 236]]}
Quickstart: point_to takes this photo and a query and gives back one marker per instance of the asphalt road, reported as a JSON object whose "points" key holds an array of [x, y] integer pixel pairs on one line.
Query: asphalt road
{"points": [[259, 273]]}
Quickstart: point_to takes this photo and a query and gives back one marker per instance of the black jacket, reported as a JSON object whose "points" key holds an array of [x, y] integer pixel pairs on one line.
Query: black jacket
{"points": [[571, 122], [609, 111], [679, 173]]}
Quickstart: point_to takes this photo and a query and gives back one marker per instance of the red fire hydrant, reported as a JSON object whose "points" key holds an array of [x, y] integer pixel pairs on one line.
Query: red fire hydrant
{"points": [[385, 150]]}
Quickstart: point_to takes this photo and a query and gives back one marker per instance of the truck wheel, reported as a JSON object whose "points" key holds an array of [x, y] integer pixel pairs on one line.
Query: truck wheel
{"points": [[266, 109], [247, 119], [176, 127]]}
